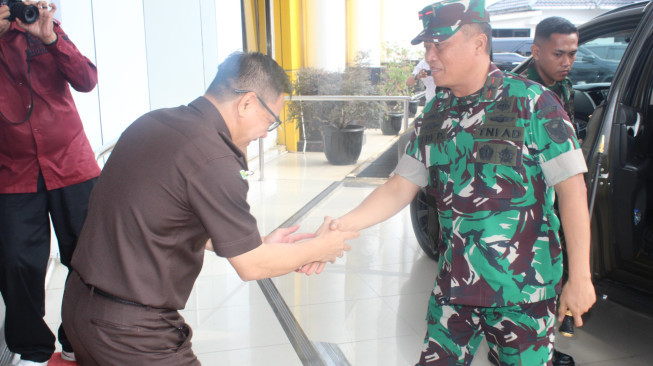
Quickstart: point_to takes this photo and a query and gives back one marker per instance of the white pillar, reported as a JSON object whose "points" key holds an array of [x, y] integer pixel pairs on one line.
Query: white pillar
{"points": [[325, 34], [400, 22], [365, 30]]}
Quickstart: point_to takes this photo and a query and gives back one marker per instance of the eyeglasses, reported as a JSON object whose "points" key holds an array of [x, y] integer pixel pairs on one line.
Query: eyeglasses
{"points": [[276, 122]]}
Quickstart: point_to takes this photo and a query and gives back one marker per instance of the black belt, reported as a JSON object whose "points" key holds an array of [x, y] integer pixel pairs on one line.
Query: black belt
{"points": [[112, 297]]}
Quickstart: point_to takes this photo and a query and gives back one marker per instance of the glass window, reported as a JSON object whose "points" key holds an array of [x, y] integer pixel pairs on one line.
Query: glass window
{"points": [[597, 60]]}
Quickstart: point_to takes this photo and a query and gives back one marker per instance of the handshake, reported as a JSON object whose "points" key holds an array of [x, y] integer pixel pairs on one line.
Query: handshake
{"points": [[326, 245]]}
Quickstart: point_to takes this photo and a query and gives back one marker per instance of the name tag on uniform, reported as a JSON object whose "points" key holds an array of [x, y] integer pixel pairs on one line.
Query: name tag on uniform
{"points": [[429, 132], [499, 132]]}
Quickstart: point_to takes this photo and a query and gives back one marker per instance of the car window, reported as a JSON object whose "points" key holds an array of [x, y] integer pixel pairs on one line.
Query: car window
{"points": [[597, 59], [524, 49], [521, 46]]}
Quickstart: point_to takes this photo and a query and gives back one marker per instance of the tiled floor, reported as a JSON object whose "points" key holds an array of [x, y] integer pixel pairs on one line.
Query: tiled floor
{"points": [[370, 303]]}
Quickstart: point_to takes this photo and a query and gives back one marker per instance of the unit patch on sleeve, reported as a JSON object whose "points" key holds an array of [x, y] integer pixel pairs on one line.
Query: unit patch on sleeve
{"points": [[557, 130]]}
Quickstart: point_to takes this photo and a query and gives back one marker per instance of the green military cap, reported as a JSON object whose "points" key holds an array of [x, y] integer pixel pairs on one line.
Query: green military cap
{"points": [[442, 19]]}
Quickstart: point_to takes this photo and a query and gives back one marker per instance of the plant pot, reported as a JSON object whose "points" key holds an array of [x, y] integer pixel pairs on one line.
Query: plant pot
{"points": [[391, 124], [343, 146], [412, 107]]}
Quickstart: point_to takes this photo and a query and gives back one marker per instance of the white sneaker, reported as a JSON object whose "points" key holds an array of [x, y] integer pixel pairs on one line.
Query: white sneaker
{"points": [[17, 361], [68, 356]]}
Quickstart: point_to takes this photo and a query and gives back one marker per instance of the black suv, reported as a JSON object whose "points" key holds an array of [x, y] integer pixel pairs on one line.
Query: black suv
{"points": [[618, 147], [591, 68], [520, 45], [507, 61]]}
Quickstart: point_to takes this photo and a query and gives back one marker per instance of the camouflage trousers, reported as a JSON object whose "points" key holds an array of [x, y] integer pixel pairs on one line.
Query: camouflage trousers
{"points": [[520, 335]]}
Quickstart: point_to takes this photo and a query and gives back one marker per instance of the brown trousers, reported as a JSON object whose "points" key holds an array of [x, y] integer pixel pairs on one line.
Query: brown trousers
{"points": [[105, 332]]}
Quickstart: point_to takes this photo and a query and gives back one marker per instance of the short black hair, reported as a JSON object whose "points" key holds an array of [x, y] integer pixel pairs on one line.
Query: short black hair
{"points": [[479, 28], [249, 71], [546, 27]]}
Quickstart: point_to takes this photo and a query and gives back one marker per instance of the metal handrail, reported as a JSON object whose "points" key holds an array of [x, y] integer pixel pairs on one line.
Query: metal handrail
{"points": [[370, 98], [107, 148]]}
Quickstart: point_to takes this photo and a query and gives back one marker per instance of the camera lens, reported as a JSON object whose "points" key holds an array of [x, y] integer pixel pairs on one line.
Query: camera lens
{"points": [[28, 14]]}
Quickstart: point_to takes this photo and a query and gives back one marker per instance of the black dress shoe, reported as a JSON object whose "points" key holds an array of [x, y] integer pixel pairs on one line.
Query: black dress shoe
{"points": [[562, 359]]}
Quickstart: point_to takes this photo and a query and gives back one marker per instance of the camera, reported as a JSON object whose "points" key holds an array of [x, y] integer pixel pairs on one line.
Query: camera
{"points": [[428, 72], [28, 14]]}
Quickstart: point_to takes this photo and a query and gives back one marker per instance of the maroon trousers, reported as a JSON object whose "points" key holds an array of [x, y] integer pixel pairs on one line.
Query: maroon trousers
{"points": [[104, 332]]}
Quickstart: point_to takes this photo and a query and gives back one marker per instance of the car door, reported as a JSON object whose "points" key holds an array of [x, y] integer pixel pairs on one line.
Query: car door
{"points": [[620, 176]]}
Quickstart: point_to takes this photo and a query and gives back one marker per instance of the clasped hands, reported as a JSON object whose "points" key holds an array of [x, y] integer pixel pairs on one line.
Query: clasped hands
{"points": [[330, 241], [330, 237], [334, 233]]}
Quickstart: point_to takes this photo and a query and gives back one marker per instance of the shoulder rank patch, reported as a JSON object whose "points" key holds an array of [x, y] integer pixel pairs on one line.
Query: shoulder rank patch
{"points": [[557, 130], [505, 104]]}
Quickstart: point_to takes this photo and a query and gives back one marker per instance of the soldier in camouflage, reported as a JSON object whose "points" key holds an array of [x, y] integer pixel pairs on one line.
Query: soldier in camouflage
{"points": [[554, 52], [493, 150]]}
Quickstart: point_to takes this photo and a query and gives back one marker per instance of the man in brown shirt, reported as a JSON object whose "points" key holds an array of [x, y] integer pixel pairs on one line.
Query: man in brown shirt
{"points": [[175, 179]]}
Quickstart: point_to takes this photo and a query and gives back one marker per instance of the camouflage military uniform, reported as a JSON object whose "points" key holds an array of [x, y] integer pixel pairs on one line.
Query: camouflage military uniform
{"points": [[491, 160], [562, 89]]}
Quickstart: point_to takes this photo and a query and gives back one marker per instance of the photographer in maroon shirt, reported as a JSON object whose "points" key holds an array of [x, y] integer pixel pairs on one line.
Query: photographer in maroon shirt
{"points": [[47, 170]]}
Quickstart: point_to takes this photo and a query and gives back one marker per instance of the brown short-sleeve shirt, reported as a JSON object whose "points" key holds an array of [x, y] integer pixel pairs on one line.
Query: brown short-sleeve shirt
{"points": [[173, 180]]}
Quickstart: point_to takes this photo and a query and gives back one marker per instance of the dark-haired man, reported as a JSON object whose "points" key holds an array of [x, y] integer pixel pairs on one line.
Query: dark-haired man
{"points": [[47, 171], [554, 51], [493, 150], [176, 178]]}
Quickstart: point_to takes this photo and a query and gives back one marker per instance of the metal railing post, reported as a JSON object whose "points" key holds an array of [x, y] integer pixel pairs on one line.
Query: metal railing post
{"points": [[404, 123], [261, 160]]}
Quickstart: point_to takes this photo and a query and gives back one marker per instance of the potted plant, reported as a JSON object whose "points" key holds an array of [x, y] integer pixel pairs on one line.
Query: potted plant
{"points": [[393, 82], [339, 124]]}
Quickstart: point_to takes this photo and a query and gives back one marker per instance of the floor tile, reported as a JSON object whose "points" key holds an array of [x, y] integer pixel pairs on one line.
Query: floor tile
{"points": [[281, 355], [234, 328], [371, 303], [350, 321]]}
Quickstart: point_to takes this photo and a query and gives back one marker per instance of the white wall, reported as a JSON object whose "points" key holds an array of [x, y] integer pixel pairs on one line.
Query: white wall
{"points": [[175, 64], [149, 54], [325, 40], [532, 18], [400, 23], [230, 37], [366, 30]]}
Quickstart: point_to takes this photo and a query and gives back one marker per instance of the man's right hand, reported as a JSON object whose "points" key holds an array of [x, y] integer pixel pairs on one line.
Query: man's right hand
{"points": [[43, 28], [334, 237], [334, 240], [4, 23], [329, 225]]}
